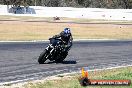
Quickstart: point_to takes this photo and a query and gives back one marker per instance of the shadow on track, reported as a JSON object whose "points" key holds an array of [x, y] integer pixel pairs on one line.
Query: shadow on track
{"points": [[64, 62]]}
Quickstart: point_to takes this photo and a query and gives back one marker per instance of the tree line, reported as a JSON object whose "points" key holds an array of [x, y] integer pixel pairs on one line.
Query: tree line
{"points": [[114, 4]]}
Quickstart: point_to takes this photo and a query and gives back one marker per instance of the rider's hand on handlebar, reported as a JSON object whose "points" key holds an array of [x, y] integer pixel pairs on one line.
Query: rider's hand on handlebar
{"points": [[49, 38]]}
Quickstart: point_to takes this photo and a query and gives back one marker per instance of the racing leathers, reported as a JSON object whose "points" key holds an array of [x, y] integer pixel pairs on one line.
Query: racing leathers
{"points": [[67, 40]]}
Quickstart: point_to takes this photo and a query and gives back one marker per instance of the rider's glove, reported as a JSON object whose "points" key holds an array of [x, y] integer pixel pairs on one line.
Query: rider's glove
{"points": [[50, 38]]}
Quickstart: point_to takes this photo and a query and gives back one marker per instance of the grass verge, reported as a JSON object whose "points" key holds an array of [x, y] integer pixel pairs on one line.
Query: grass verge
{"points": [[22, 30], [71, 81]]}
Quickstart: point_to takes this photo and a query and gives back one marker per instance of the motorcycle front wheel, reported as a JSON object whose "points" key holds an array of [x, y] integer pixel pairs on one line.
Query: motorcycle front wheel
{"points": [[42, 58]]}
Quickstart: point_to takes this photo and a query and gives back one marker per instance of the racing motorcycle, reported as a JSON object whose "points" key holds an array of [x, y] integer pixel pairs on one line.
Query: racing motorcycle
{"points": [[55, 53]]}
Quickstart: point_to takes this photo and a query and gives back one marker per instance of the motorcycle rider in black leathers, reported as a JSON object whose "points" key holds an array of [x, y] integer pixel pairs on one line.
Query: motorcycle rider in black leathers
{"points": [[65, 36]]}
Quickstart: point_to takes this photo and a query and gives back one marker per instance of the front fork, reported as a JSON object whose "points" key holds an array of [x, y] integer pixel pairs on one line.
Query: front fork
{"points": [[50, 49]]}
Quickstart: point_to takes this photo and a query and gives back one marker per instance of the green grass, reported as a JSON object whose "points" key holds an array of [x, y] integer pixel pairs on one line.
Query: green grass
{"points": [[72, 80]]}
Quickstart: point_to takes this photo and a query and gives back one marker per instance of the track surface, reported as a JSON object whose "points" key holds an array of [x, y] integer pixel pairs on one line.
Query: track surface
{"points": [[18, 61]]}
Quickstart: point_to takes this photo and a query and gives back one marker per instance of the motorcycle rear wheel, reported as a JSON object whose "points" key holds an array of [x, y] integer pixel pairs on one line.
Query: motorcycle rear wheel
{"points": [[42, 58]]}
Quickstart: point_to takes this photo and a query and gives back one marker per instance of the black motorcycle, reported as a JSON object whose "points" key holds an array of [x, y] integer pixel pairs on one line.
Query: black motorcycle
{"points": [[55, 53]]}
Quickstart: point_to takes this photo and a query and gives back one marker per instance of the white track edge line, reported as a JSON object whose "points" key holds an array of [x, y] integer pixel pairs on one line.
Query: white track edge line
{"points": [[17, 81], [73, 40]]}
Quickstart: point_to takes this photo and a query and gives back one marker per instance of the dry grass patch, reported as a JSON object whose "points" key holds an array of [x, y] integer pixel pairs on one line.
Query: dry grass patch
{"points": [[18, 30]]}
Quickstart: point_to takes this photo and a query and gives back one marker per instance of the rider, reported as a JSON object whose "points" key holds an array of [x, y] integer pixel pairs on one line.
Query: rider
{"points": [[65, 36]]}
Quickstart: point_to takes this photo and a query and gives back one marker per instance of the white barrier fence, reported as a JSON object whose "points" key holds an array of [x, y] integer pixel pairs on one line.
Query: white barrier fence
{"points": [[89, 13]]}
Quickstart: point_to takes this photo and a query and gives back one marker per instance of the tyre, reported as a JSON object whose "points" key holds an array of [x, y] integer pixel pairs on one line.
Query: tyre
{"points": [[42, 58]]}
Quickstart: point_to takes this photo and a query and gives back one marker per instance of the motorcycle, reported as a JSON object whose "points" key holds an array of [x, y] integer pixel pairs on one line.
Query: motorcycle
{"points": [[55, 53]]}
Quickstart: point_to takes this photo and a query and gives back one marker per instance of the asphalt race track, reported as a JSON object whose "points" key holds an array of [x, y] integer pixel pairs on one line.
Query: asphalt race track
{"points": [[18, 61]]}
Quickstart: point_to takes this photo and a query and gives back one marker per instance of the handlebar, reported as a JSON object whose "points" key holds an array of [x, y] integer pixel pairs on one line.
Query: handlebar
{"points": [[58, 39]]}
